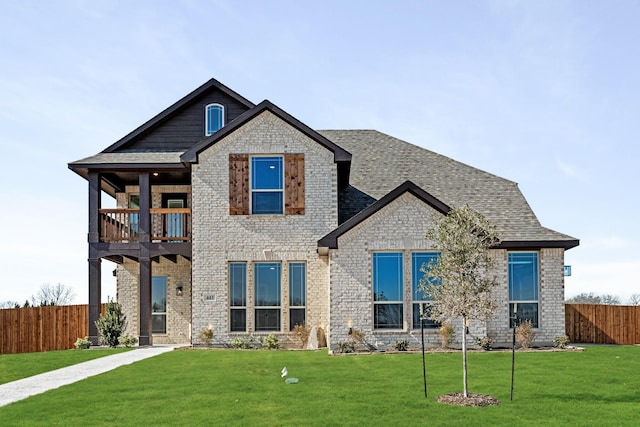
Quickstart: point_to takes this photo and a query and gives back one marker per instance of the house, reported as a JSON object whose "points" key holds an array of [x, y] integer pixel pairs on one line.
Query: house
{"points": [[240, 218]]}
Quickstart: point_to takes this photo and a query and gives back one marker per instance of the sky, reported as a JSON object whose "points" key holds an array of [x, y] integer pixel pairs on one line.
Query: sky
{"points": [[543, 93]]}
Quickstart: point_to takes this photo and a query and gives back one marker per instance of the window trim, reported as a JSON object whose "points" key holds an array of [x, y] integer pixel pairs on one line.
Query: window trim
{"points": [[416, 276], [220, 108], [160, 313], [257, 307], [302, 307], [400, 302], [281, 191], [232, 307], [511, 302]]}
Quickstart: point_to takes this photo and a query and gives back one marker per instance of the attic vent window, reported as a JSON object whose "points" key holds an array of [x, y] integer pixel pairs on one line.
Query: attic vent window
{"points": [[214, 118]]}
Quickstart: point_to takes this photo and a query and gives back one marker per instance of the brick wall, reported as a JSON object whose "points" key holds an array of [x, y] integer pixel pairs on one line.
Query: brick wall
{"points": [[219, 238]]}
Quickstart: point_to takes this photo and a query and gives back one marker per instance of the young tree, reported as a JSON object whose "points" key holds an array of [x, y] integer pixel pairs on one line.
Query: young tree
{"points": [[53, 295], [460, 282]]}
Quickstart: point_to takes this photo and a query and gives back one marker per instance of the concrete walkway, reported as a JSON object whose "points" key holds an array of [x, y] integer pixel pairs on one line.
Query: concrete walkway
{"points": [[26, 387]]}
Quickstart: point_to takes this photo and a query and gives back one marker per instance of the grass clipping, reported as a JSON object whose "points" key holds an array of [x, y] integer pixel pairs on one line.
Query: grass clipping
{"points": [[458, 399]]}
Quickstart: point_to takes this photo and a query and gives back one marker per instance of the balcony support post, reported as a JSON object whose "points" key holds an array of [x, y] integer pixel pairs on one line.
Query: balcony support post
{"points": [[144, 236], [95, 263]]}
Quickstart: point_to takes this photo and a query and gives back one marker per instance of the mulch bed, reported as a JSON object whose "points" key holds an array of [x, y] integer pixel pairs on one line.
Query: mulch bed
{"points": [[458, 399]]}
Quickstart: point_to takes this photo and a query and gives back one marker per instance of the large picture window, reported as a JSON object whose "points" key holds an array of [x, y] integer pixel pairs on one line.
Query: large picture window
{"points": [[267, 185], [420, 261], [214, 118], [297, 293], [159, 305], [387, 290], [523, 287], [238, 296], [267, 296]]}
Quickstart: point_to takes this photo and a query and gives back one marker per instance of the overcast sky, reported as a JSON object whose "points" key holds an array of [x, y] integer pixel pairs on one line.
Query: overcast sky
{"points": [[544, 93]]}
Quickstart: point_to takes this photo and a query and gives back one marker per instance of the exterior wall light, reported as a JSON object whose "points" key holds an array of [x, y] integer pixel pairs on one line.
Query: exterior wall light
{"points": [[179, 290]]}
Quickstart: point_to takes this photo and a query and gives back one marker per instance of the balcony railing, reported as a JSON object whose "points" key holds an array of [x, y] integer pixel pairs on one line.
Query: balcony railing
{"points": [[167, 225]]}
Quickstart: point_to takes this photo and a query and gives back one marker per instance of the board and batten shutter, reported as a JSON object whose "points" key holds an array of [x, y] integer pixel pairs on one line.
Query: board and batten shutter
{"points": [[238, 184], [294, 184]]}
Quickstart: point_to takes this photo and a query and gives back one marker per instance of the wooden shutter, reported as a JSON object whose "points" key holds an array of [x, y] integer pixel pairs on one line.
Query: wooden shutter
{"points": [[294, 184], [238, 184]]}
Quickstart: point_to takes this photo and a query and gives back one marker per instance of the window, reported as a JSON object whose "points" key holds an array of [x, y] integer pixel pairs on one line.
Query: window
{"points": [[387, 290], [267, 296], [159, 305], [297, 293], [134, 217], [213, 118], [421, 260], [523, 287], [267, 189], [238, 296]]}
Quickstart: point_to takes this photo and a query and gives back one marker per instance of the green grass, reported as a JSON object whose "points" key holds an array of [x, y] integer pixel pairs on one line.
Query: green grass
{"points": [[597, 387], [16, 366]]}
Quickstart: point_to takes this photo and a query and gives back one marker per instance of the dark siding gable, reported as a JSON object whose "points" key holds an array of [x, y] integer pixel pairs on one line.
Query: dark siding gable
{"points": [[185, 128]]}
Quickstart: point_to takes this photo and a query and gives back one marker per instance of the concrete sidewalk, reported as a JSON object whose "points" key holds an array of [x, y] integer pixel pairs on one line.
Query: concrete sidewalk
{"points": [[21, 389]]}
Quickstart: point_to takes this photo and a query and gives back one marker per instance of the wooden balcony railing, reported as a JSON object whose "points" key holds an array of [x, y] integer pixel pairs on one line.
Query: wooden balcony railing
{"points": [[167, 225]]}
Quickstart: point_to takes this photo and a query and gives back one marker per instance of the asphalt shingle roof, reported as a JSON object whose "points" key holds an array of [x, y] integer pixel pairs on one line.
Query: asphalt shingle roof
{"points": [[381, 163]]}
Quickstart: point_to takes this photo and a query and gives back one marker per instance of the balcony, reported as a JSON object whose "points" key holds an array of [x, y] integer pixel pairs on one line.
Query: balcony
{"points": [[167, 225]]}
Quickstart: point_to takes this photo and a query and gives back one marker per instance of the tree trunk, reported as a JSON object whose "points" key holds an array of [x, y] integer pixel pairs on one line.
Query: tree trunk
{"points": [[464, 356]]}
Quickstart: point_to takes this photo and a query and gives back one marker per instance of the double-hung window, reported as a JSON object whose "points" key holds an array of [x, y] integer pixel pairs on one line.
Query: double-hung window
{"points": [[387, 290], [267, 296], [420, 261], [297, 293], [213, 118], [267, 185], [238, 296], [523, 287]]}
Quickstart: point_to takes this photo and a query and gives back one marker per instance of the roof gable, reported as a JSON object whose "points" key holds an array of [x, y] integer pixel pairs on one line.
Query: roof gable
{"points": [[157, 134], [331, 240], [191, 155]]}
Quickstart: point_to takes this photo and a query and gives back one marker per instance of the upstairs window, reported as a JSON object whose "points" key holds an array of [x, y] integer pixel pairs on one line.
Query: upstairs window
{"points": [[213, 118], [267, 185]]}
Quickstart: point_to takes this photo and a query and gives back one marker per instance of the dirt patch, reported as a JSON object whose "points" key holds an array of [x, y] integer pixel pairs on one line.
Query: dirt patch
{"points": [[458, 399]]}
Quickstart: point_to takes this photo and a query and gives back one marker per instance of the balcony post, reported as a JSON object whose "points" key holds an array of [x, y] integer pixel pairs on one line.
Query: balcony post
{"points": [[95, 263], [144, 236]]}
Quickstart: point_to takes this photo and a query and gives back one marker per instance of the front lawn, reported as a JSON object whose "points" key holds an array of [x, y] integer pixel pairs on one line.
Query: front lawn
{"points": [[17, 366], [600, 386]]}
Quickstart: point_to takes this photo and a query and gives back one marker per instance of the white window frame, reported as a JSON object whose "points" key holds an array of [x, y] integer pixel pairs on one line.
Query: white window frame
{"points": [[208, 131]]}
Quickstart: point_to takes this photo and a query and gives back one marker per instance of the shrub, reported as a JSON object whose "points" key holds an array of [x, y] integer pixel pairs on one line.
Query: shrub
{"points": [[446, 333], [111, 324], [82, 343], [484, 343], [205, 336], [127, 340], [356, 335], [401, 345], [271, 342], [301, 334], [247, 341], [346, 346], [525, 334], [561, 341]]}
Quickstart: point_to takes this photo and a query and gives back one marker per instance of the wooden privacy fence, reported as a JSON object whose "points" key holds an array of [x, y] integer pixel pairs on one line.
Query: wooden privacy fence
{"points": [[31, 329], [602, 324]]}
